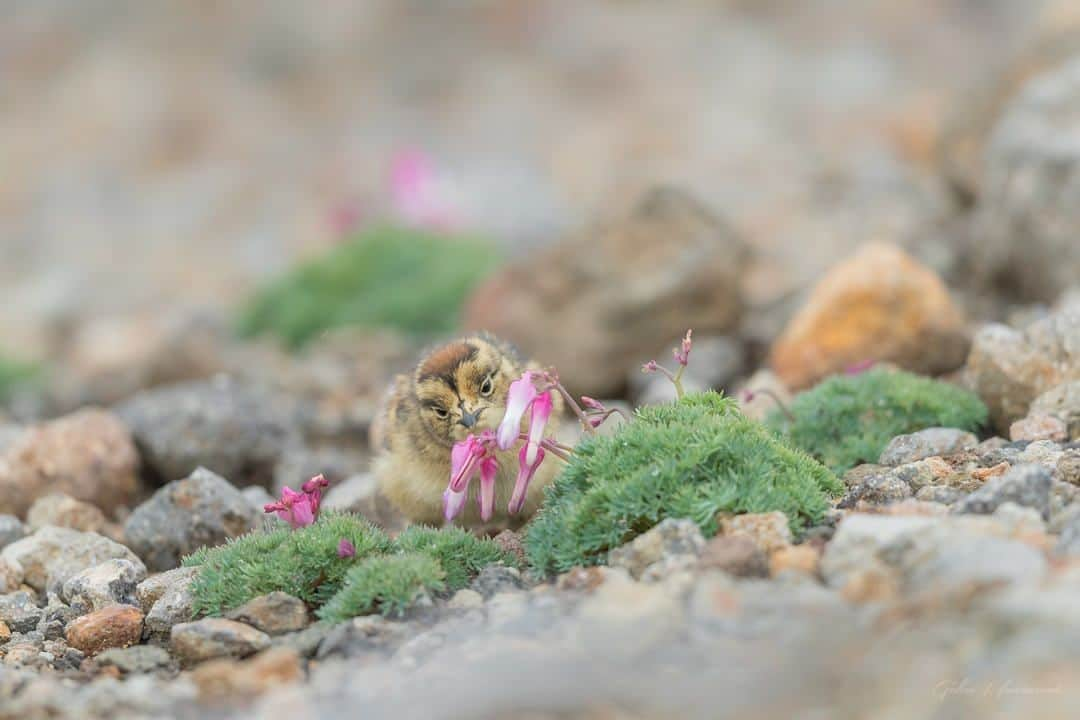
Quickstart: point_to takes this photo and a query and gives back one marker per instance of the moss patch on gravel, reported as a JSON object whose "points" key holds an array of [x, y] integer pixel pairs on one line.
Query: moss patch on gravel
{"points": [[387, 277], [692, 459], [848, 420], [305, 563]]}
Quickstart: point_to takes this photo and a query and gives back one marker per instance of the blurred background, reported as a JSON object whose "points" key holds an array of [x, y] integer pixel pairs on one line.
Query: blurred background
{"points": [[179, 175]]}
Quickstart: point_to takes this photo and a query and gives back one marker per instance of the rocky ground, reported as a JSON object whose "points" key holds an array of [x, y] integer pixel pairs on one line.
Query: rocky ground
{"points": [[856, 208]]}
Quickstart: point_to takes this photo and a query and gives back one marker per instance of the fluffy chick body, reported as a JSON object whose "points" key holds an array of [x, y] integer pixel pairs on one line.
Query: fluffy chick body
{"points": [[455, 390]]}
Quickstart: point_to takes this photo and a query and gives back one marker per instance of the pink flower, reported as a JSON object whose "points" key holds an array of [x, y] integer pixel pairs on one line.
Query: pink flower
{"points": [[465, 461], [859, 367], [489, 469], [294, 508], [650, 367], [453, 502], [541, 411], [299, 509], [526, 470], [345, 548], [592, 403], [520, 396], [682, 356], [748, 396], [417, 196]]}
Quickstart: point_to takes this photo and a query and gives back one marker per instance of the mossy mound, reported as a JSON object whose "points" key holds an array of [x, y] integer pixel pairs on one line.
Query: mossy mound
{"points": [[693, 459], [13, 375], [848, 420], [387, 277], [305, 563]]}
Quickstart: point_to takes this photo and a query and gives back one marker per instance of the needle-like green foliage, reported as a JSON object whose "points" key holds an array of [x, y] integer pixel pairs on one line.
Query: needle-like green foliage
{"points": [[12, 375], [693, 459], [386, 584], [305, 563], [847, 420], [387, 277]]}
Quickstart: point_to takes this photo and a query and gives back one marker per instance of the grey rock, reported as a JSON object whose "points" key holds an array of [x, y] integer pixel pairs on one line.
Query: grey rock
{"points": [[226, 426], [65, 511], [55, 617], [305, 642], [883, 489], [360, 494], [1025, 485], [943, 494], [135, 659], [110, 583], [671, 545], [1068, 467], [858, 539], [943, 558], [736, 555], [275, 613], [11, 529], [495, 579], [19, 611], [299, 463], [210, 638], [185, 515], [364, 635], [53, 555], [150, 590], [1063, 402], [1030, 197], [174, 605], [931, 442], [258, 496]]}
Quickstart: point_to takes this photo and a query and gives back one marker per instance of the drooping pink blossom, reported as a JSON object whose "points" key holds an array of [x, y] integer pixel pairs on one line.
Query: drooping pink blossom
{"points": [[465, 459], [541, 411], [526, 470], [294, 508], [519, 397], [453, 503], [650, 367], [314, 488], [592, 403], [489, 470]]}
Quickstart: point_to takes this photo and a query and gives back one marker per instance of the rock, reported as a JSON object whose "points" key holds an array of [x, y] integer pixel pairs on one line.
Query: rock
{"points": [[223, 425], [1069, 541], [55, 617], [11, 529], [360, 494], [736, 555], [1038, 427], [495, 579], [1025, 485], [174, 604], [112, 582], [769, 530], [19, 611], [88, 455], [1028, 207], [259, 497], [1062, 402], [135, 659], [799, 559], [629, 618], [880, 305], [466, 599], [53, 555], [940, 494], [1068, 467], [931, 442], [615, 294], [111, 627], [364, 635], [5, 632], [882, 489], [852, 555], [305, 642], [275, 613], [943, 558], [65, 511], [762, 395], [210, 638], [150, 590], [671, 545], [717, 362], [512, 544], [1009, 369], [201, 510], [228, 680]]}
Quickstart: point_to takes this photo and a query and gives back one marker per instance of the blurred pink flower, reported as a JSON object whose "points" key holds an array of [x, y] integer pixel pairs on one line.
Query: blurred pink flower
{"points": [[418, 198], [682, 356], [345, 548], [859, 367], [299, 509]]}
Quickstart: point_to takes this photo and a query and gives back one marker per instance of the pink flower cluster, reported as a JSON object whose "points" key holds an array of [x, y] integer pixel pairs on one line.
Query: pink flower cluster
{"points": [[476, 453], [300, 509], [682, 357]]}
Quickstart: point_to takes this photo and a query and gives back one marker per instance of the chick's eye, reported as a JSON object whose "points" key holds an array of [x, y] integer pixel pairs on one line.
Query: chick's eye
{"points": [[487, 387], [440, 413]]}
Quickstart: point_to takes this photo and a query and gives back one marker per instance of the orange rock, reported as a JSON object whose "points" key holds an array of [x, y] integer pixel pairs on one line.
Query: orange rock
{"points": [[802, 559], [879, 305], [226, 678], [113, 626], [986, 473]]}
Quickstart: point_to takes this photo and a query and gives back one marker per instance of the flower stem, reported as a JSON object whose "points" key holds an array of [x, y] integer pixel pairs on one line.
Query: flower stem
{"points": [[776, 399], [554, 384], [677, 381]]}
